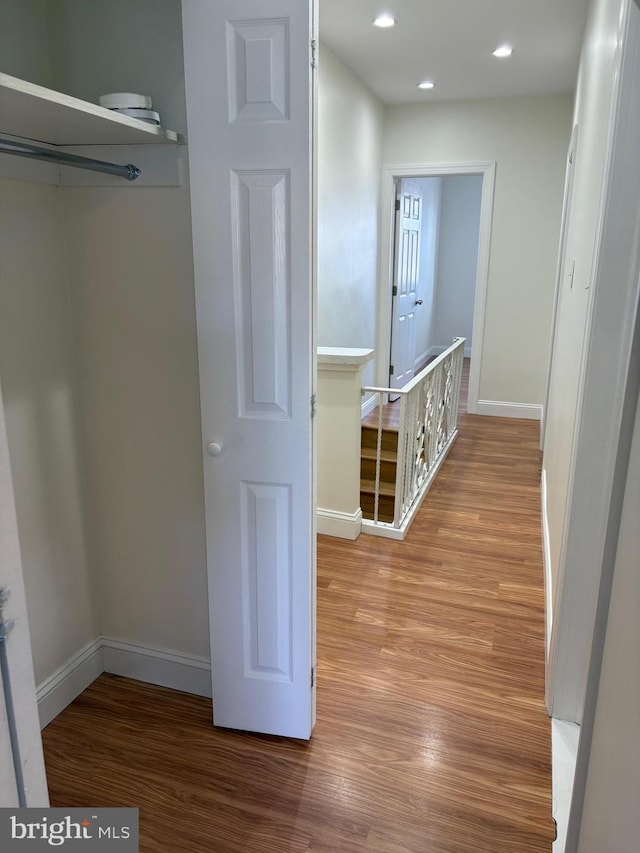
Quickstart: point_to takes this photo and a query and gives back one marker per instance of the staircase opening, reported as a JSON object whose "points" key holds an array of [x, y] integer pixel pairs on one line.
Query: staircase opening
{"points": [[404, 442]]}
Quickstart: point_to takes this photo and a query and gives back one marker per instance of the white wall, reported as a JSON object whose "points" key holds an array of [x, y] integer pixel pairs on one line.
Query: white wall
{"points": [[24, 40], [120, 46], [37, 366], [350, 128], [431, 195], [448, 262], [98, 359], [130, 265], [39, 379], [528, 138], [457, 259], [611, 818], [131, 274]]}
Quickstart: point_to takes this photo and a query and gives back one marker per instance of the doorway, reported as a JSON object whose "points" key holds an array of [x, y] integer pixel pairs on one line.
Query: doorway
{"points": [[443, 293]]}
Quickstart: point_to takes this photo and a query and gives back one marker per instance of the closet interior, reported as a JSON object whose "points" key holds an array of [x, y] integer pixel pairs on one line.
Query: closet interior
{"points": [[98, 348]]}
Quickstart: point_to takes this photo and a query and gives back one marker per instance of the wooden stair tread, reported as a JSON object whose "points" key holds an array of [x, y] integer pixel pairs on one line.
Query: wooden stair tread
{"points": [[386, 489], [374, 428], [385, 455]]}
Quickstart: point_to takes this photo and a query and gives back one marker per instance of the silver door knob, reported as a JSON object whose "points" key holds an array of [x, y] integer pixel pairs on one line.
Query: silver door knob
{"points": [[418, 302], [214, 449]]}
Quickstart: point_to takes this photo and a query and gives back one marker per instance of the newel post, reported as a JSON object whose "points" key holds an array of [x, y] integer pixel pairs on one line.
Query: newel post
{"points": [[339, 425]]}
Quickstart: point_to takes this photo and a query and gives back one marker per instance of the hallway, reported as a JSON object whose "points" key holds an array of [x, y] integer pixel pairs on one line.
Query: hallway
{"points": [[432, 735]]}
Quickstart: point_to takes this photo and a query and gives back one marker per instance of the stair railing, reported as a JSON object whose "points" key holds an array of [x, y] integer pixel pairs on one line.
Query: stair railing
{"points": [[428, 426]]}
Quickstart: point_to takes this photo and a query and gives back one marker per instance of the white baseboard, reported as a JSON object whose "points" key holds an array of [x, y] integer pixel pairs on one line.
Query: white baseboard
{"points": [[499, 409], [383, 530], [187, 673], [343, 525], [368, 405], [546, 561], [67, 682]]}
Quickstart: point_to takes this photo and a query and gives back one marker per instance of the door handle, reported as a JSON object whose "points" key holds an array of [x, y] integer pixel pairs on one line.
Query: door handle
{"points": [[214, 449], [418, 302]]}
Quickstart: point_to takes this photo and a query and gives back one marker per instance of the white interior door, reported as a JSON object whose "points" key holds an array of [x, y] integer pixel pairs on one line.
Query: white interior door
{"points": [[249, 107], [405, 285], [22, 774]]}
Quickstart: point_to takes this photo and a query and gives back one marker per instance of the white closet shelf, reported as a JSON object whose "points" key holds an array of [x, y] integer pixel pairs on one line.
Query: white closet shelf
{"points": [[42, 115]]}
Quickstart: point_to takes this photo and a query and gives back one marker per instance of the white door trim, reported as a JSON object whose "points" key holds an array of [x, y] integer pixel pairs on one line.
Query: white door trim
{"points": [[389, 173]]}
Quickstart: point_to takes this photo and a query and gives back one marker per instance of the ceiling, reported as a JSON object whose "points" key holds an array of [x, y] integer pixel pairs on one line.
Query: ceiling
{"points": [[451, 43]]}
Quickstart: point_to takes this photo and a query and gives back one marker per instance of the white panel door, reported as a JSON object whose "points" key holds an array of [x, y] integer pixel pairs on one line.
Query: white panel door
{"points": [[406, 276], [249, 107]]}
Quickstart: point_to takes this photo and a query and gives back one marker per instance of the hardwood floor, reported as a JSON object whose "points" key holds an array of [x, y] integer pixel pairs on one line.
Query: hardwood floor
{"points": [[432, 736]]}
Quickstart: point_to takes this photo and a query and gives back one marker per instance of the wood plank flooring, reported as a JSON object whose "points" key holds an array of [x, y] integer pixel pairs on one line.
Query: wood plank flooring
{"points": [[432, 735]]}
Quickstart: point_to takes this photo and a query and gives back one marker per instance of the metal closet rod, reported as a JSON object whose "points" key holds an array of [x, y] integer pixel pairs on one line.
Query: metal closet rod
{"points": [[21, 149]]}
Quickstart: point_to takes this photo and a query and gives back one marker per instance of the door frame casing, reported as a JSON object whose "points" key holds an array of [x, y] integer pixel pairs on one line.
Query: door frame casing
{"points": [[439, 170]]}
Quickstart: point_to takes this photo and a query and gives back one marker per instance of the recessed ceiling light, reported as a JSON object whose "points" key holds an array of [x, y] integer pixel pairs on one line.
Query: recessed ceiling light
{"points": [[384, 21], [426, 84], [503, 51]]}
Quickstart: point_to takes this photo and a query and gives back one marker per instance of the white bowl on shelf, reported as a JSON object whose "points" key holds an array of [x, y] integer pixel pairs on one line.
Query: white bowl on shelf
{"points": [[125, 100], [143, 115]]}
